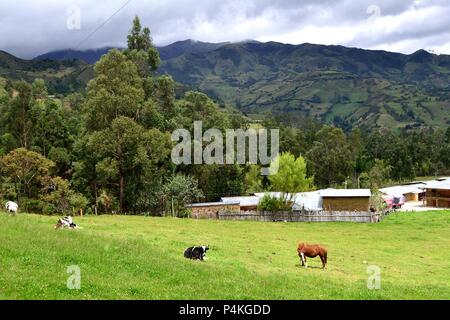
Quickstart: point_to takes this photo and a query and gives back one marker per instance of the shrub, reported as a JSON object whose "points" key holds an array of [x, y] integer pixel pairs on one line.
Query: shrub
{"points": [[377, 202], [273, 204], [31, 205], [106, 202], [178, 192], [59, 198], [184, 213], [77, 201]]}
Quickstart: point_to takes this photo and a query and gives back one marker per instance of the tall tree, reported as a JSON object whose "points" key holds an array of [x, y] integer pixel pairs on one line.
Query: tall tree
{"points": [[377, 176], [218, 181], [330, 157], [253, 180], [17, 118], [196, 106], [26, 169], [5, 136], [178, 192], [165, 95], [134, 38], [49, 127], [141, 49], [60, 198], [125, 152], [39, 89], [117, 90], [291, 174]]}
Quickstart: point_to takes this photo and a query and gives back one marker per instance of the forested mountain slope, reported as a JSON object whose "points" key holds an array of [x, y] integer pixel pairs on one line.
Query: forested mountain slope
{"points": [[346, 86]]}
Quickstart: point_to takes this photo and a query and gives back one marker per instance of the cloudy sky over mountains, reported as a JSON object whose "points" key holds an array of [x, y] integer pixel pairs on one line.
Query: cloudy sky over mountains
{"points": [[29, 28]]}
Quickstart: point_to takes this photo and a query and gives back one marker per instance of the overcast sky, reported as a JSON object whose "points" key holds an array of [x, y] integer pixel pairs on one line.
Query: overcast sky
{"points": [[29, 28]]}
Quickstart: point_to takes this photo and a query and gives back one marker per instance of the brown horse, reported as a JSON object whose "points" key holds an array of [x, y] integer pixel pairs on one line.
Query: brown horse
{"points": [[312, 251]]}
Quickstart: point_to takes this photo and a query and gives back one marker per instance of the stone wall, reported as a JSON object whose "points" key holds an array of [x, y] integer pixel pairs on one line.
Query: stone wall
{"points": [[212, 211]]}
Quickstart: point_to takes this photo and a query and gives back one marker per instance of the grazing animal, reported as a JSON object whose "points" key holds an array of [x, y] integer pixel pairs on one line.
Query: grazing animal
{"points": [[65, 222], [196, 253], [312, 251], [11, 207]]}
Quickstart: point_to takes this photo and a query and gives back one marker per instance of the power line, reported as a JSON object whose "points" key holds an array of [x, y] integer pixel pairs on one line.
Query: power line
{"points": [[96, 30], [103, 24]]}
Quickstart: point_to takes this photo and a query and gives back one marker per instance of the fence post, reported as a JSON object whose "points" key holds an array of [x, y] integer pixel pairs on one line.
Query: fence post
{"points": [[173, 210]]}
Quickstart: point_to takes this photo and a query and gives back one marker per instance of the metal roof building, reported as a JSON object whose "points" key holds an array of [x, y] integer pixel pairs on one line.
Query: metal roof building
{"points": [[443, 184], [311, 201], [246, 203], [415, 191], [438, 194], [346, 200], [398, 191], [345, 193]]}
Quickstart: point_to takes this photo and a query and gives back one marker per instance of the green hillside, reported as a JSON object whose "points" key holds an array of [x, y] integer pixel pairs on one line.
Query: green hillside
{"points": [[60, 76], [345, 86]]}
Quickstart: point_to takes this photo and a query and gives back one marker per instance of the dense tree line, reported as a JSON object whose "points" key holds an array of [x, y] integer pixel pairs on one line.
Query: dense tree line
{"points": [[365, 158], [109, 150]]}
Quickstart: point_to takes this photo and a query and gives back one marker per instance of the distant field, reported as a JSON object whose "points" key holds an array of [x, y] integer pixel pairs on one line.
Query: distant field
{"points": [[123, 257], [429, 178]]}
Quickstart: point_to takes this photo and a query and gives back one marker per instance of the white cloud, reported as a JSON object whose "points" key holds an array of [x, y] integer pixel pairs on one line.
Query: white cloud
{"points": [[28, 28], [314, 34]]}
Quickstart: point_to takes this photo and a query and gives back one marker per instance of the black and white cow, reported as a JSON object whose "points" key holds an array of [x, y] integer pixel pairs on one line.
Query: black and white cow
{"points": [[196, 253], [66, 222]]}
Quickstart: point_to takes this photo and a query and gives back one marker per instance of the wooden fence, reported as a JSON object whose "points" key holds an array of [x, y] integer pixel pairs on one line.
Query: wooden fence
{"points": [[304, 216]]}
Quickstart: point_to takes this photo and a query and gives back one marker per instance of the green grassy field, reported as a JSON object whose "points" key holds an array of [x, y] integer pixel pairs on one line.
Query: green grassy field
{"points": [[123, 257]]}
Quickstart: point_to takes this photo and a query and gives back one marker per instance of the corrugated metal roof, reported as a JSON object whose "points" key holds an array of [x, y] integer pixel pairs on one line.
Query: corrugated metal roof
{"points": [[272, 194], [313, 200], [302, 200], [345, 193], [211, 204], [402, 190], [439, 185], [416, 187], [243, 201], [307, 201]]}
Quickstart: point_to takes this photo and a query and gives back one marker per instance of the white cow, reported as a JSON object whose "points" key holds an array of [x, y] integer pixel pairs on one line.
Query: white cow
{"points": [[12, 207]]}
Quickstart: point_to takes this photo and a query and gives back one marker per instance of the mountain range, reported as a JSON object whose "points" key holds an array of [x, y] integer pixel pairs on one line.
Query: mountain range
{"points": [[61, 76], [346, 86], [173, 50], [349, 87]]}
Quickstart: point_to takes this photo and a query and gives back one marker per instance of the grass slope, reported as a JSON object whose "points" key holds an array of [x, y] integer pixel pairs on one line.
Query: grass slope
{"points": [[125, 257]]}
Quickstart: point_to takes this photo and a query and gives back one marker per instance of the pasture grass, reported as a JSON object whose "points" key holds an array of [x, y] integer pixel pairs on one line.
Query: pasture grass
{"points": [[128, 257]]}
